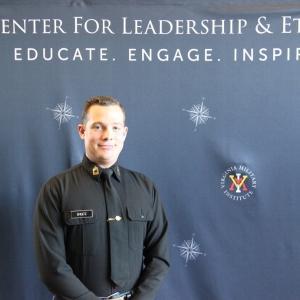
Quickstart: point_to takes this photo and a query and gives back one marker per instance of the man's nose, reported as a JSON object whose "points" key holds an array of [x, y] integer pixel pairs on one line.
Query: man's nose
{"points": [[107, 133]]}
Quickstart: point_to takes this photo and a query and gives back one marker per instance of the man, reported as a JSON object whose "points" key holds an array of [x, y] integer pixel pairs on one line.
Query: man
{"points": [[100, 229]]}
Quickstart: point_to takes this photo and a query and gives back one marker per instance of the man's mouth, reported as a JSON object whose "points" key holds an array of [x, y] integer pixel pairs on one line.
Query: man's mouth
{"points": [[105, 146]]}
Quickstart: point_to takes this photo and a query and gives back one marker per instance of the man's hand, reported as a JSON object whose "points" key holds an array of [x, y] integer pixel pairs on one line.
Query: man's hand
{"points": [[119, 298]]}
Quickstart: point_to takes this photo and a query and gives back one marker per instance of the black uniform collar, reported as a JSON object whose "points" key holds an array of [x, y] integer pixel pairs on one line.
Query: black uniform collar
{"points": [[95, 171]]}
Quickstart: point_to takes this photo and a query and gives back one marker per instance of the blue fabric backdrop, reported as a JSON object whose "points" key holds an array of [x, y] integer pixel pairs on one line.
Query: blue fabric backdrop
{"points": [[218, 135]]}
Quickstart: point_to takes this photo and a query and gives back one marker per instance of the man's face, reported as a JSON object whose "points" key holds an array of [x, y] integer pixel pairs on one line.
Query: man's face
{"points": [[104, 134]]}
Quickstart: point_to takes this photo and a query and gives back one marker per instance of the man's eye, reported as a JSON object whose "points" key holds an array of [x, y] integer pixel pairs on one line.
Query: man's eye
{"points": [[116, 128], [98, 127]]}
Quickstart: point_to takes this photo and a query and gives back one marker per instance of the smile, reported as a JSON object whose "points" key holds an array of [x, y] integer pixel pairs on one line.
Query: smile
{"points": [[108, 147]]}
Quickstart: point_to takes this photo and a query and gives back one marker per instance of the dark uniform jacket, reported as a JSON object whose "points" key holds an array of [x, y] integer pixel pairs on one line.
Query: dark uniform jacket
{"points": [[71, 234]]}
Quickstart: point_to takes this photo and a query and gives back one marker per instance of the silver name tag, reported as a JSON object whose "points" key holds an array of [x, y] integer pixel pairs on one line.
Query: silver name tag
{"points": [[87, 213]]}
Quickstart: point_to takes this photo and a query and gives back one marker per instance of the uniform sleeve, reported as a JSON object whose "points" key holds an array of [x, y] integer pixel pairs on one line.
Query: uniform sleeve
{"points": [[156, 254], [50, 248]]}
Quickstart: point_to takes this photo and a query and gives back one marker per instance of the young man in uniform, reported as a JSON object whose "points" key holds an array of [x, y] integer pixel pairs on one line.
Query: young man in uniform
{"points": [[100, 229]]}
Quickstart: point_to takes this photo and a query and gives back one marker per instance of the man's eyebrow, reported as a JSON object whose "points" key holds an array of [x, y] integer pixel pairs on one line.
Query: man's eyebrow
{"points": [[101, 123]]}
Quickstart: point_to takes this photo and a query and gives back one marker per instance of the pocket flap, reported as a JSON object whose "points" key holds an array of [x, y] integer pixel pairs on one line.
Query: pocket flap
{"points": [[139, 214], [77, 217]]}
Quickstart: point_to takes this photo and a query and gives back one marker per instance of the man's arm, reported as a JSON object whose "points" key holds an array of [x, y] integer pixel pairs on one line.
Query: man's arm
{"points": [[156, 254], [50, 248]]}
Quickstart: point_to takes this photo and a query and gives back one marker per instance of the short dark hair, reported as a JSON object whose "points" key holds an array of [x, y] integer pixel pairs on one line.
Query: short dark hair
{"points": [[100, 100]]}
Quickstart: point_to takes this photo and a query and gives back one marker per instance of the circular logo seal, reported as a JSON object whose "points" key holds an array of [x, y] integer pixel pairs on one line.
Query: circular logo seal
{"points": [[238, 183]]}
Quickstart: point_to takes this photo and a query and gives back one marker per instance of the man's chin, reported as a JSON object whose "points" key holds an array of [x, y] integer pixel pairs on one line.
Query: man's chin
{"points": [[105, 162]]}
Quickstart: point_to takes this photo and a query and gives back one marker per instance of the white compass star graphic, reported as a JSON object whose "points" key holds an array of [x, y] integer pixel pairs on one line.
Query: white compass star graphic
{"points": [[199, 114], [62, 112], [189, 250]]}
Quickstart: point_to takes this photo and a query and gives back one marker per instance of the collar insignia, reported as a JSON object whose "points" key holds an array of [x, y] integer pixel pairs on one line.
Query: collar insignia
{"points": [[95, 171]]}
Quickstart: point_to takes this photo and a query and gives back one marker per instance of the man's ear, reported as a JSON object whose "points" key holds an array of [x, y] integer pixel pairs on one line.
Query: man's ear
{"points": [[81, 130], [125, 133]]}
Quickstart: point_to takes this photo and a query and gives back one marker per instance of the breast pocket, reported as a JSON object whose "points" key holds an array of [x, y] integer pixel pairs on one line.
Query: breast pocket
{"points": [[81, 232], [137, 226]]}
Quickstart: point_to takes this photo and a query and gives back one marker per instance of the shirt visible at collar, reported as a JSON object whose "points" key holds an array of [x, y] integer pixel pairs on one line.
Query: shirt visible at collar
{"points": [[94, 170]]}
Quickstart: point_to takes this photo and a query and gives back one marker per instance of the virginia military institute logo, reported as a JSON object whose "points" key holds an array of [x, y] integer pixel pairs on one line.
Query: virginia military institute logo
{"points": [[238, 183]]}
